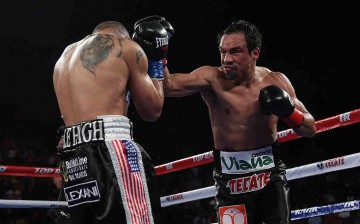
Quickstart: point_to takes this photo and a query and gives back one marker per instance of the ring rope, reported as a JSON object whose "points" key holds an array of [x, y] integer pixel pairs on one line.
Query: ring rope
{"points": [[324, 210], [286, 135], [339, 163], [295, 214], [29, 171], [330, 165], [340, 120], [32, 204]]}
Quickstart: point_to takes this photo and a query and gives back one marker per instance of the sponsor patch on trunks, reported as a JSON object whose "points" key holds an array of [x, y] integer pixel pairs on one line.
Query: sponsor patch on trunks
{"points": [[248, 161], [82, 193], [233, 214], [74, 168], [248, 184]]}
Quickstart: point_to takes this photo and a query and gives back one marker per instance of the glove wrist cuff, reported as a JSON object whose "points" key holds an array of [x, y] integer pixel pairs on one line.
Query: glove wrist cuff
{"points": [[156, 69], [295, 120]]}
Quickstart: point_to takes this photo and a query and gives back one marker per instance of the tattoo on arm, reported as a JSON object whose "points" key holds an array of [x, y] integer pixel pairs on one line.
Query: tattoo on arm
{"points": [[139, 53], [96, 51]]}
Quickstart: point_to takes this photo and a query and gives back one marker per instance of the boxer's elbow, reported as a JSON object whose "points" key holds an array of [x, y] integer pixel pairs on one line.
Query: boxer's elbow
{"points": [[150, 114], [150, 117], [309, 126], [307, 129]]}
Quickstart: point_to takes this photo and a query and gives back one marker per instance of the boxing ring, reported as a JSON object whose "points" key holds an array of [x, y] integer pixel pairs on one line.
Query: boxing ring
{"points": [[313, 169]]}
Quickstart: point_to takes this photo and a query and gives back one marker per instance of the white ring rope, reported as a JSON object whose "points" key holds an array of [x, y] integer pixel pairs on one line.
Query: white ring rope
{"points": [[324, 210], [295, 214], [32, 204], [330, 165]]}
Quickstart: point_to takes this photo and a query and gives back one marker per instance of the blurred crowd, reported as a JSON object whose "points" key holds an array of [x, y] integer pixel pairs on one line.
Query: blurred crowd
{"points": [[28, 141]]}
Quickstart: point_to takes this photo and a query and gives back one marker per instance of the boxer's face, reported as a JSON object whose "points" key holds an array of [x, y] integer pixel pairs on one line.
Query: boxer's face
{"points": [[235, 57]]}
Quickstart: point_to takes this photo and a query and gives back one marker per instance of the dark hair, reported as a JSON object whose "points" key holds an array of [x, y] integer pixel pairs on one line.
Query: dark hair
{"points": [[114, 25], [252, 34]]}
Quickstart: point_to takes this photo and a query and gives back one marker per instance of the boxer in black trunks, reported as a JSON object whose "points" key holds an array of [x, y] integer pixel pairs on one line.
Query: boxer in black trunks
{"points": [[103, 169], [245, 102]]}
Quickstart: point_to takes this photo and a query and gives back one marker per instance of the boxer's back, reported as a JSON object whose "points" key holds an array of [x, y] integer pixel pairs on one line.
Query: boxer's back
{"points": [[90, 78]]}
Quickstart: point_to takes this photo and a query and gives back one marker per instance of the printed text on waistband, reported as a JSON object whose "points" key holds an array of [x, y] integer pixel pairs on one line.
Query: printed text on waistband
{"points": [[84, 133], [242, 162]]}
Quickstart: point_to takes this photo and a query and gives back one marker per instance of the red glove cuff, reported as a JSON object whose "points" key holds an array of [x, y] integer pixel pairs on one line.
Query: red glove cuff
{"points": [[295, 120]]}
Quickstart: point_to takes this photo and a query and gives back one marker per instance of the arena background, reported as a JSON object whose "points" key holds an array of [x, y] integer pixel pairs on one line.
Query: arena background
{"points": [[316, 44]]}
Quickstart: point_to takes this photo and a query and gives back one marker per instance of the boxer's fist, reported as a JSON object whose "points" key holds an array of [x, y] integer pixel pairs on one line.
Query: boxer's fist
{"points": [[153, 38], [152, 34], [274, 100], [155, 18]]}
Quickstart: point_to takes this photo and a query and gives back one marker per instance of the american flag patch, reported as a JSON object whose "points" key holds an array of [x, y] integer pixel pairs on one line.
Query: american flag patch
{"points": [[131, 155], [126, 158]]}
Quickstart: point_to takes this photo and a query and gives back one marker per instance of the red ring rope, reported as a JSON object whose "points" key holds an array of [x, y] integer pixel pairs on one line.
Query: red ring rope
{"points": [[29, 171], [340, 120], [286, 135]]}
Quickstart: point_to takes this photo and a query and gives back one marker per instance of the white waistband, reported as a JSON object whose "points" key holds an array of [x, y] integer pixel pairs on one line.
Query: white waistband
{"points": [[116, 127], [109, 127]]}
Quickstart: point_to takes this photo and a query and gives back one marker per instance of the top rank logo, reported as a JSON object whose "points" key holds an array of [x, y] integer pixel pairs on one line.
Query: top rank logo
{"points": [[344, 117]]}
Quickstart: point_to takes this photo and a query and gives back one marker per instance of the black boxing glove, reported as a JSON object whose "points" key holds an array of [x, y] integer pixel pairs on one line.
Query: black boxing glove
{"points": [[155, 18], [152, 34], [274, 100]]}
